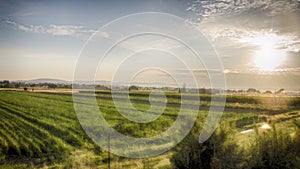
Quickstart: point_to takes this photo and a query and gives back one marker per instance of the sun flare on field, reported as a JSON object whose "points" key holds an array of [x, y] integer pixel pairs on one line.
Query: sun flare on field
{"points": [[269, 58]]}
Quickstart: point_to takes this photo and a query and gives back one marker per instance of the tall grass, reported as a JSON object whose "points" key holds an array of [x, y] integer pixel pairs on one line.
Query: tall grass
{"points": [[275, 148], [219, 151], [270, 149], [295, 103]]}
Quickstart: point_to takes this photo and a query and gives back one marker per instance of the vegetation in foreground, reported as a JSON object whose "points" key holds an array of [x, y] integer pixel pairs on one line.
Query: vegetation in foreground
{"points": [[272, 148], [41, 130]]}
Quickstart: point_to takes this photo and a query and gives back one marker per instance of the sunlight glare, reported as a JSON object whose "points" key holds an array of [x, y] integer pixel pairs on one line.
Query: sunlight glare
{"points": [[269, 58], [265, 126]]}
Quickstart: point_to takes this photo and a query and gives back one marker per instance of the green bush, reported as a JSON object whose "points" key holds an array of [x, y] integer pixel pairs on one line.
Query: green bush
{"points": [[270, 149], [295, 102], [15, 166], [2, 156], [219, 151], [275, 149], [191, 154]]}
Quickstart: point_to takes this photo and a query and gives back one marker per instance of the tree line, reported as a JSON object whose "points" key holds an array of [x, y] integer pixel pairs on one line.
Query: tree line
{"points": [[8, 84], [16, 84]]}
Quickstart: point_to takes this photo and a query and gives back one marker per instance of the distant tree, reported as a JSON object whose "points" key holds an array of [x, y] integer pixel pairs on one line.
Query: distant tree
{"points": [[241, 91], [52, 86], [215, 91], [25, 89], [67, 86], [231, 91], [32, 86], [202, 90], [17, 85], [183, 89], [209, 91], [212, 91], [251, 90], [133, 87], [5, 84], [268, 92], [279, 91], [101, 87]]}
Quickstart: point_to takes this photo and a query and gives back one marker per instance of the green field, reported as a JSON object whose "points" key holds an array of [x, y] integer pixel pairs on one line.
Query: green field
{"points": [[41, 129]]}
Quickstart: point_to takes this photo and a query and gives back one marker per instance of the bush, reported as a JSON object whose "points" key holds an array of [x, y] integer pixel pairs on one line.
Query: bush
{"points": [[191, 154], [15, 166], [295, 102], [2, 156], [219, 151], [276, 149], [270, 149]]}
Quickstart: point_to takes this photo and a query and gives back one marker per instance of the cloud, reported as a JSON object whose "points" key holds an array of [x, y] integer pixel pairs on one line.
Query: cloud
{"points": [[227, 71], [58, 30], [103, 34], [283, 41], [204, 9], [149, 41], [288, 43], [198, 71], [234, 25], [248, 71]]}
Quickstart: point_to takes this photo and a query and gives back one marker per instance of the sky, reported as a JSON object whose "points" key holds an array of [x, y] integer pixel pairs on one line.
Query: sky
{"points": [[257, 42]]}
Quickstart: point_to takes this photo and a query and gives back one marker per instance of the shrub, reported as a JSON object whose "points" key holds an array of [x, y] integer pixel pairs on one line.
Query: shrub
{"points": [[2, 156], [295, 102], [219, 151], [276, 149], [15, 166]]}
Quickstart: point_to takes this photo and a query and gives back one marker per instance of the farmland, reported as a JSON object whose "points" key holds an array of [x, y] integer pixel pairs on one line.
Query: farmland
{"points": [[41, 129]]}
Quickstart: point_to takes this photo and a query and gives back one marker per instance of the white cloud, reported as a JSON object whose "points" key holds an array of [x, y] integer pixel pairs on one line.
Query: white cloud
{"points": [[149, 41], [58, 30], [228, 71], [249, 22], [204, 9], [199, 71], [103, 34], [233, 71], [283, 41]]}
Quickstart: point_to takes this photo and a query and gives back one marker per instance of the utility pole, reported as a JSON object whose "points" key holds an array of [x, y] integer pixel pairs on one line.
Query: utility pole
{"points": [[108, 142]]}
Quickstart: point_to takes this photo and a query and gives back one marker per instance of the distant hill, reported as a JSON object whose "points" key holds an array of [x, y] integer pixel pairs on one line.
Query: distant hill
{"points": [[47, 80]]}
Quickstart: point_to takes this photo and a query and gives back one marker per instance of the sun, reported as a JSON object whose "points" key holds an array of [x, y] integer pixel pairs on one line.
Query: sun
{"points": [[268, 58]]}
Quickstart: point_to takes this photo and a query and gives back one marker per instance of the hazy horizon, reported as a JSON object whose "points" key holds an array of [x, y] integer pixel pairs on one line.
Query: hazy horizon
{"points": [[151, 84]]}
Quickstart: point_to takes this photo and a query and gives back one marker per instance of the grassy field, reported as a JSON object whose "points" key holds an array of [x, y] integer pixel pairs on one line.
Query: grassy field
{"points": [[41, 130]]}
